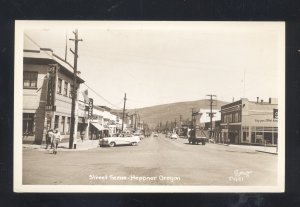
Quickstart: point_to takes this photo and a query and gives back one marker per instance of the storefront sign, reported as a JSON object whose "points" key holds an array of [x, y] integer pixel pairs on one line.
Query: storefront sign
{"points": [[275, 113], [265, 120], [51, 89], [50, 108], [90, 109]]}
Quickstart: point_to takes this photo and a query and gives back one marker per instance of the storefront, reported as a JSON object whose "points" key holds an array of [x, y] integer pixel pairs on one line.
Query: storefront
{"points": [[260, 129], [247, 122]]}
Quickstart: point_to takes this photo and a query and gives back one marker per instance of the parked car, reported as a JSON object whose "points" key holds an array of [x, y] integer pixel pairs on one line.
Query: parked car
{"points": [[174, 136], [140, 135], [119, 139]]}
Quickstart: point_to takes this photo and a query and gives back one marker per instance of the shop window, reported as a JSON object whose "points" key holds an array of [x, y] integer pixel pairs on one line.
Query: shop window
{"points": [[62, 124], [268, 137], [28, 123], [275, 138], [66, 89], [68, 124], [56, 122], [59, 84], [245, 133], [48, 123], [30, 79], [259, 137], [252, 137]]}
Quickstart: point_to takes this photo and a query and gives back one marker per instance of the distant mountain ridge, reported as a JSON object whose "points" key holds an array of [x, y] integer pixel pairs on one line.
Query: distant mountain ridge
{"points": [[153, 115]]}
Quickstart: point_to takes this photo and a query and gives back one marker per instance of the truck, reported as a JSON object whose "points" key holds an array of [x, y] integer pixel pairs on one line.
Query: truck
{"points": [[196, 138]]}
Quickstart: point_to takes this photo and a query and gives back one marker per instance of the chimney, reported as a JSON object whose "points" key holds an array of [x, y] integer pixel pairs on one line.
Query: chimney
{"points": [[257, 99], [261, 100], [232, 99], [270, 100]]}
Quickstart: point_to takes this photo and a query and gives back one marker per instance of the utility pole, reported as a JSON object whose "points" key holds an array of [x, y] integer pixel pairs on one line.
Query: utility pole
{"points": [[74, 92], [192, 120], [124, 112], [211, 114], [180, 118]]}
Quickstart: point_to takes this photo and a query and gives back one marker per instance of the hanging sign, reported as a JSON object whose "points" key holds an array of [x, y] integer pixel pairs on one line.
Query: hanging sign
{"points": [[90, 109]]}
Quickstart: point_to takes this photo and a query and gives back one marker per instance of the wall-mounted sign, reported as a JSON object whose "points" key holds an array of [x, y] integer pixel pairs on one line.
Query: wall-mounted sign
{"points": [[90, 111], [275, 113], [51, 89], [50, 108]]}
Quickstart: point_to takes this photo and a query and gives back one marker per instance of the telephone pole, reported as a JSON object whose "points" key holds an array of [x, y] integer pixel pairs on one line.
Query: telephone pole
{"points": [[124, 112], [180, 118], [192, 120], [74, 92], [211, 114]]}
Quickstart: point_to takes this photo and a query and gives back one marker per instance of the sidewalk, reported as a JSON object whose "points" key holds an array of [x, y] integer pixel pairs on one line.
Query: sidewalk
{"points": [[271, 150], [64, 146]]}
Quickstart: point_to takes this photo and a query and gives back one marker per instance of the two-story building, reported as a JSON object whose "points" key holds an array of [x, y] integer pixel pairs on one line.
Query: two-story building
{"points": [[47, 94], [250, 122]]}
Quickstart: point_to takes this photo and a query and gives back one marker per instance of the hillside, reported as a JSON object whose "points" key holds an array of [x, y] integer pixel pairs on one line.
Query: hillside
{"points": [[169, 112]]}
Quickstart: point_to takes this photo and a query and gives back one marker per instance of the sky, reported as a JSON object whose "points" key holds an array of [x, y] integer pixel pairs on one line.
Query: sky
{"points": [[164, 62]]}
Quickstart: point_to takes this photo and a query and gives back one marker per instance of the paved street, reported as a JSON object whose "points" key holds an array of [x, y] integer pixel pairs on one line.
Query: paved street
{"points": [[156, 160]]}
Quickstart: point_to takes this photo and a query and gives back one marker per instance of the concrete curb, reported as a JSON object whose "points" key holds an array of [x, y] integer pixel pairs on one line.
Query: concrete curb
{"points": [[273, 153], [60, 148]]}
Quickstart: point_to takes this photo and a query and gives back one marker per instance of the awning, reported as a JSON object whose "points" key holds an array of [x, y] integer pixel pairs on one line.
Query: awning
{"points": [[98, 126]]}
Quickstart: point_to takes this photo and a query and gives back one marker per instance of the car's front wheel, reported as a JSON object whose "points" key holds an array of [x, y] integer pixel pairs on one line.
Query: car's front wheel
{"points": [[134, 143], [112, 144]]}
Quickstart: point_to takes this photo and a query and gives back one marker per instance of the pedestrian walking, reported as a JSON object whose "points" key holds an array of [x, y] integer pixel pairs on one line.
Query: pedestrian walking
{"points": [[49, 138], [56, 140], [82, 135]]}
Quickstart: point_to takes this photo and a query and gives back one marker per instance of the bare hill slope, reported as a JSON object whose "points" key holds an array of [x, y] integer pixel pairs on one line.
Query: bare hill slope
{"points": [[169, 112]]}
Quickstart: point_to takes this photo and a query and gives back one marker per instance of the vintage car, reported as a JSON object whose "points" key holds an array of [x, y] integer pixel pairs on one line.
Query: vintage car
{"points": [[119, 139], [140, 135], [174, 136]]}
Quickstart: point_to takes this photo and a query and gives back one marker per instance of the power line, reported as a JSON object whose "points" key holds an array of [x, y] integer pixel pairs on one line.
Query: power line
{"points": [[84, 83], [117, 107]]}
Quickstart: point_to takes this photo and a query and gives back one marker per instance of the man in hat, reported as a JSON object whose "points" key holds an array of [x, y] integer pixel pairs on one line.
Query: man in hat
{"points": [[49, 138], [56, 140]]}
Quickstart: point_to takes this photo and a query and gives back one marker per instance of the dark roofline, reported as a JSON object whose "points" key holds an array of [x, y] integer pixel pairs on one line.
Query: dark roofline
{"points": [[80, 80], [63, 60], [47, 49], [34, 51]]}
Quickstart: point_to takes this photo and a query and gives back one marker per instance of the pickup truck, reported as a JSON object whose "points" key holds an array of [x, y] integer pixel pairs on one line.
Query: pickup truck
{"points": [[197, 140], [194, 139]]}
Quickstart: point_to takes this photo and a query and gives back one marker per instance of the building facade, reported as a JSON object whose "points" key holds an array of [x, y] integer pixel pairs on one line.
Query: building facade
{"points": [[203, 122], [249, 122], [47, 95]]}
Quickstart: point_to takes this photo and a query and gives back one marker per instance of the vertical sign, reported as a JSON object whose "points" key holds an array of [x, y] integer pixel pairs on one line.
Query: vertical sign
{"points": [[90, 111], [51, 89], [275, 113]]}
